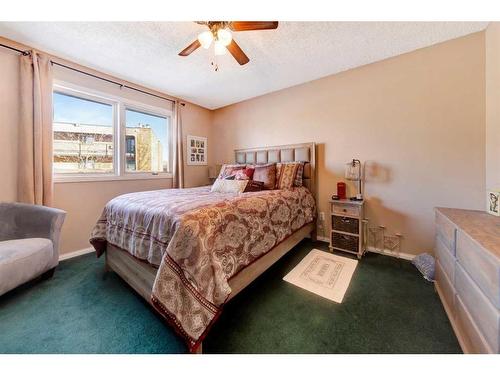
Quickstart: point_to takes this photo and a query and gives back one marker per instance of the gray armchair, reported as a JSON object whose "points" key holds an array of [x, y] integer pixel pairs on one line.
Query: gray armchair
{"points": [[29, 242]]}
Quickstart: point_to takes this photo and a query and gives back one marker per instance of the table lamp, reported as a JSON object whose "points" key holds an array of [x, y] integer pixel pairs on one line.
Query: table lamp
{"points": [[353, 173]]}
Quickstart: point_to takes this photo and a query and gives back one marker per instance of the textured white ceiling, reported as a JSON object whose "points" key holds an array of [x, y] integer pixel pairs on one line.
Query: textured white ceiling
{"points": [[297, 52]]}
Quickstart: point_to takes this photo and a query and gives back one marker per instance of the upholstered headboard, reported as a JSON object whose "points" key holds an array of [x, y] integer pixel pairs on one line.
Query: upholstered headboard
{"points": [[305, 152]]}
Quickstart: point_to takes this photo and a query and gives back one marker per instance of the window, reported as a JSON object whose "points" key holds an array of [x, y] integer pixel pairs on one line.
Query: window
{"points": [[83, 135], [103, 137], [146, 142]]}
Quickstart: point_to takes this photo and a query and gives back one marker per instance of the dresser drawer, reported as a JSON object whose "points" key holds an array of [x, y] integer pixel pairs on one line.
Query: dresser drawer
{"points": [[346, 209], [483, 313], [447, 230], [445, 258], [447, 292], [472, 339], [345, 224], [482, 267]]}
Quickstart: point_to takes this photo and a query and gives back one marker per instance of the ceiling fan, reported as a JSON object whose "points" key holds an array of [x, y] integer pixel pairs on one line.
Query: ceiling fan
{"points": [[220, 33]]}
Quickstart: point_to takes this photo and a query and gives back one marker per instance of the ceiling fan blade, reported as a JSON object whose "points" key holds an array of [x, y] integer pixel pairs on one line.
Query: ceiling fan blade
{"points": [[190, 49], [237, 53], [253, 25]]}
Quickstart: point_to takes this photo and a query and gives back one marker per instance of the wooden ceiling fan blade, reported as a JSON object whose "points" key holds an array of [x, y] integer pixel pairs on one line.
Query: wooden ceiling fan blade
{"points": [[237, 53], [190, 49], [253, 25]]}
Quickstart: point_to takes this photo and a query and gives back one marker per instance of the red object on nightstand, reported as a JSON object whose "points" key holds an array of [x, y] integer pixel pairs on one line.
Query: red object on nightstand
{"points": [[341, 190]]}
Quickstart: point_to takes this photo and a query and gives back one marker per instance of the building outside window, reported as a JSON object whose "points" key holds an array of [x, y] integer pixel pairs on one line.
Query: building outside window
{"points": [[130, 152], [150, 134], [83, 135]]}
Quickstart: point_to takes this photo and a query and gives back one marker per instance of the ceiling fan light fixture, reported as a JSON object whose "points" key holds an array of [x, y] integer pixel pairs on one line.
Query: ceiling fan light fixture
{"points": [[205, 38], [220, 32], [219, 48], [224, 36]]}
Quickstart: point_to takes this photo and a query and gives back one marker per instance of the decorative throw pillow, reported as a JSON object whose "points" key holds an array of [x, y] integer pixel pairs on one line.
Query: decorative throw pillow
{"points": [[254, 186], [265, 173], [229, 186], [241, 175], [289, 175], [249, 171], [229, 170]]}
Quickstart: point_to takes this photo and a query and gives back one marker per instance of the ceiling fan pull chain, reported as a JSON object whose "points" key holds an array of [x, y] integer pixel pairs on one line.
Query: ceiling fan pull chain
{"points": [[215, 65]]}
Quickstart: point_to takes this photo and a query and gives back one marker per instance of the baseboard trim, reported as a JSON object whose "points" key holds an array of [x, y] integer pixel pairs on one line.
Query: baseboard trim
{"points": [[76, 253], [371, 249], [390, 253], [323, 239]]}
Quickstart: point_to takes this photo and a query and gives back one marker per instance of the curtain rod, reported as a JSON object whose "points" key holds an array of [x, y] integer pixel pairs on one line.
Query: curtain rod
{"points": [[24, 53]]}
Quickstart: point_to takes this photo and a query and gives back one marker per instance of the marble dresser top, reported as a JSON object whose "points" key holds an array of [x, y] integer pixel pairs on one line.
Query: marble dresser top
{"points": [[479, 225]]}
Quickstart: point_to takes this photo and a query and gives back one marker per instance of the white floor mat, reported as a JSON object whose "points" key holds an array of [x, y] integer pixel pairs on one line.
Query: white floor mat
{"points": [[324, 274]]}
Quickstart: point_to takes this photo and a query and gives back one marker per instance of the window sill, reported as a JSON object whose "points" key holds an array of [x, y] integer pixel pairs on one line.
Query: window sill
{"points": [[80, 178]]}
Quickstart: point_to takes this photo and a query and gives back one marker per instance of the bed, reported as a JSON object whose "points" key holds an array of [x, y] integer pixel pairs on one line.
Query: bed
{"points": [[187, 252]]}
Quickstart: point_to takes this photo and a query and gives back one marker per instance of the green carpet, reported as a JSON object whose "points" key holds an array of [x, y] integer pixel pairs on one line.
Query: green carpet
{"points": [[388, 308]]}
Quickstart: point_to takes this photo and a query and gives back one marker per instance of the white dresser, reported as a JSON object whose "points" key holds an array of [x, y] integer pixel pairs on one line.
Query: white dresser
{"points": [[467, 250]]}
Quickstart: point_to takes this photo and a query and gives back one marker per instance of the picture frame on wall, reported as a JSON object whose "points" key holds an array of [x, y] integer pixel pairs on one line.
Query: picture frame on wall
{"points": [[196, 150], [493, 202]]}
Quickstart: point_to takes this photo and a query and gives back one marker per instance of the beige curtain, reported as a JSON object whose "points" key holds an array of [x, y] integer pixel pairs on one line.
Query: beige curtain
{"points": [[35, 130], [178, 157]]}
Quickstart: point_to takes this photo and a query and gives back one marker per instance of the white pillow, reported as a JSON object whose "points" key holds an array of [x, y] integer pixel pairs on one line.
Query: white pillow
{"points": [[229, 186]]}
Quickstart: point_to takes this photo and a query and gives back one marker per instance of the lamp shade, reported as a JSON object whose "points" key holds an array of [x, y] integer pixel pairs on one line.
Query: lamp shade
{"points": [[213, 170], [219, 48], [205, 39], [353, 173], [224, 36], [353, 170]]}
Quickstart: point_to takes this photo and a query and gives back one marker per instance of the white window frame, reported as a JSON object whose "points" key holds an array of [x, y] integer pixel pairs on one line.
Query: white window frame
{"points": [[119, 105]]}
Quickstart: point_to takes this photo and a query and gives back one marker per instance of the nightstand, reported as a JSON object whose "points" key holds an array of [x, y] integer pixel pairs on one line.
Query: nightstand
{"points": [[347, 221]]}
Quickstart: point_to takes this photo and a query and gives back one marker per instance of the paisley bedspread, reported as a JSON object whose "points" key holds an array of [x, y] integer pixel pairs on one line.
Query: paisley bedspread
{"points": [[200, 240]]}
